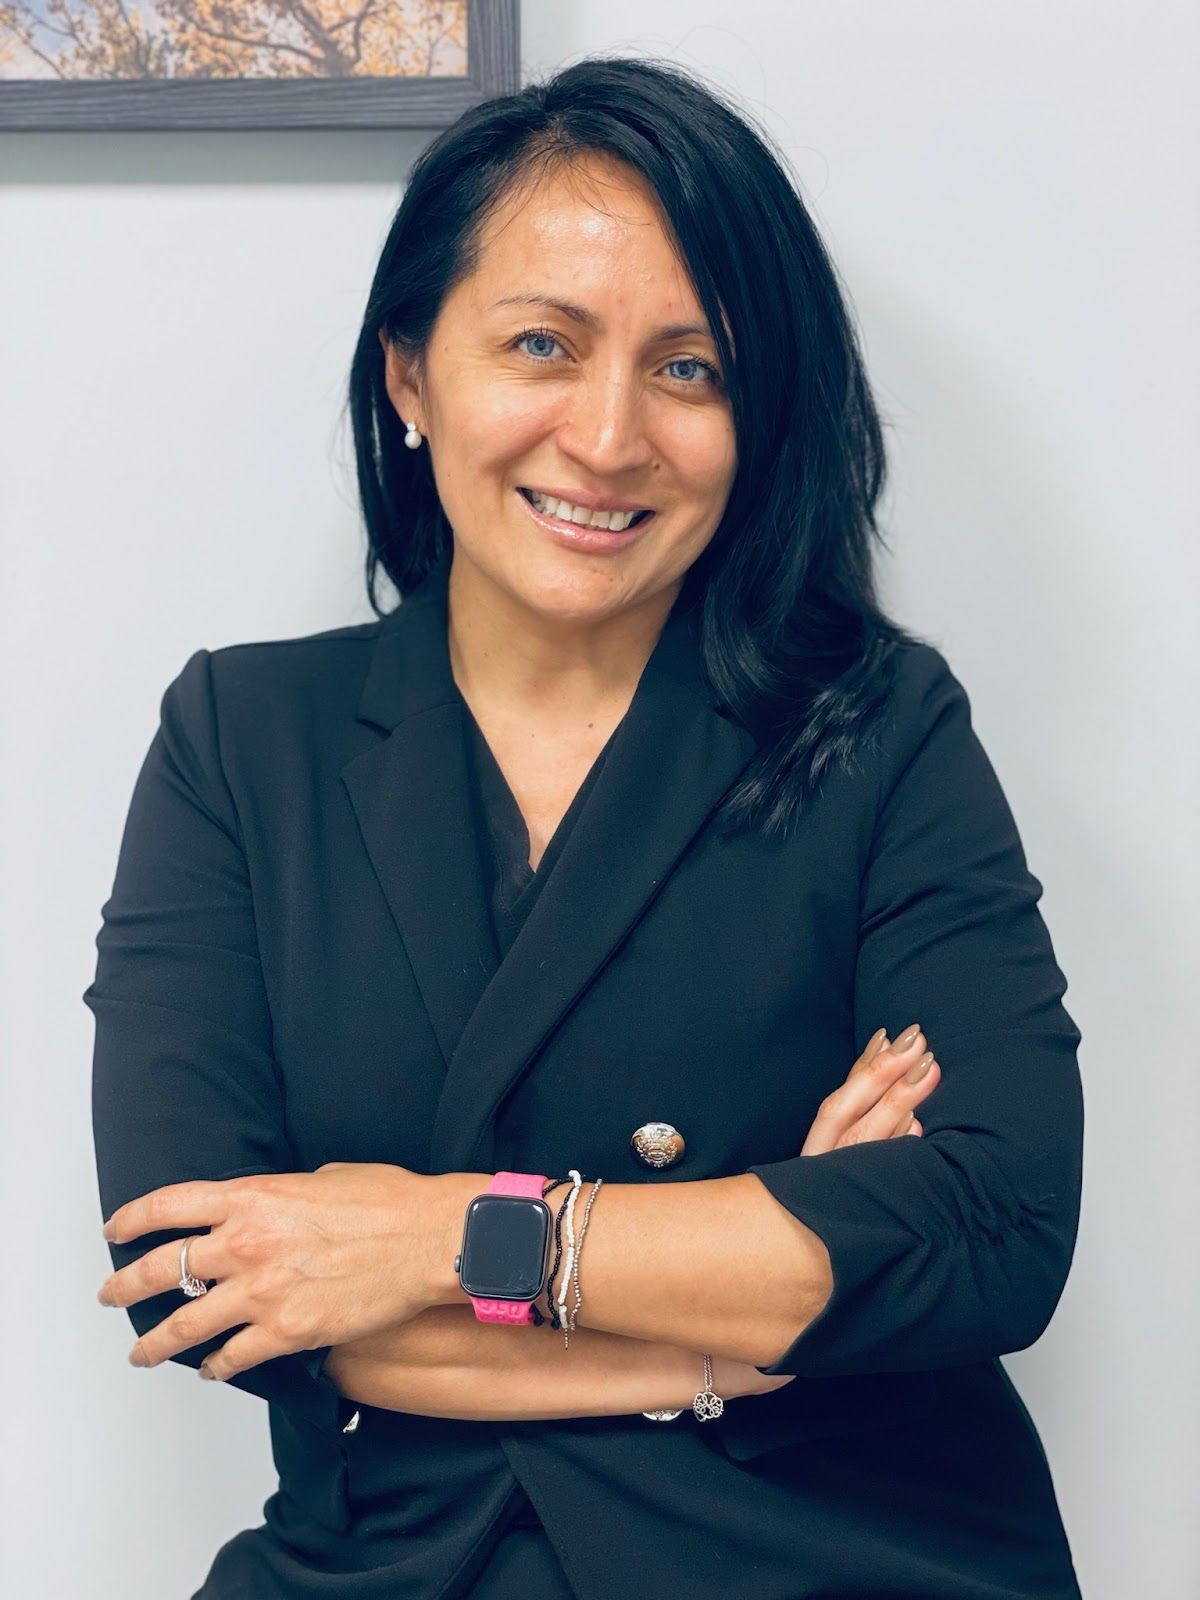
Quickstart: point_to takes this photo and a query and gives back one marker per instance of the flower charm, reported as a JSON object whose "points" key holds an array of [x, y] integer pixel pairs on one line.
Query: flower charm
{"points": [[707, 1405]]}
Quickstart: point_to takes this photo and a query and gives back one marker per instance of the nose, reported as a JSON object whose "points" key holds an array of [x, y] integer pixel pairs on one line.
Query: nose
{"points": [[604, 429]]}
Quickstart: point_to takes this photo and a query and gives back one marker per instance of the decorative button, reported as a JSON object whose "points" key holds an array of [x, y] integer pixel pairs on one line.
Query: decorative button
{"points": [[658, 1144]]}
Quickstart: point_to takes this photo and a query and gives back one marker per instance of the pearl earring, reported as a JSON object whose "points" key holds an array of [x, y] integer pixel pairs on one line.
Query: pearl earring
{"points": [[412, 438]]}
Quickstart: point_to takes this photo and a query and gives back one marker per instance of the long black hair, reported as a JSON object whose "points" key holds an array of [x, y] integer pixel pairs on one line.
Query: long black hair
{"points": [[795, 643]]}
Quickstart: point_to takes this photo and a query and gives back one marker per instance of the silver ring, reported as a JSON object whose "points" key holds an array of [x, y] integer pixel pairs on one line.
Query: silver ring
{"points": [[191, 1286]]}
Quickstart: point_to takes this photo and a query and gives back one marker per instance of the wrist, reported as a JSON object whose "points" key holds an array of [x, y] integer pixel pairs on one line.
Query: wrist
{"points": [[451, 1193]]}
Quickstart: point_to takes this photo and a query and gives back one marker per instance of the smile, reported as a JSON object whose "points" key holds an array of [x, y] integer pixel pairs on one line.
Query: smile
{"points": [[583, 516], [608, 531]]}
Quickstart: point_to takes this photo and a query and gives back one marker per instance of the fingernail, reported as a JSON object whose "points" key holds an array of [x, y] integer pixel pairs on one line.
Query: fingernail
{"points": [[906, 1038], [205, 1372], [137, 1357], [916, 1072], [876, 1042]]}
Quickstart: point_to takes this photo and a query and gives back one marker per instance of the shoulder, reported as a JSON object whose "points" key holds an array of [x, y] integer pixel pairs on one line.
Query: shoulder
{"points": [[266, 704], [333, 660], [926, 714], [935, 781], [924, 685], [308, 672]]}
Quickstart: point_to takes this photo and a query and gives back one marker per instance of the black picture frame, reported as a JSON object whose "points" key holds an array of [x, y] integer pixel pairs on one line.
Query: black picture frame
{"points": [[239, 104]]}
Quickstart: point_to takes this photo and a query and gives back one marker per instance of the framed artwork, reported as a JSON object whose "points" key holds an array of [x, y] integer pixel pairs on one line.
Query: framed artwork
{"points": [[236, 64]]}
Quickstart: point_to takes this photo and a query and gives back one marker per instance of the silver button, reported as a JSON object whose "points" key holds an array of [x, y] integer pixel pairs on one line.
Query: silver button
{"points": [[658, 1144]]}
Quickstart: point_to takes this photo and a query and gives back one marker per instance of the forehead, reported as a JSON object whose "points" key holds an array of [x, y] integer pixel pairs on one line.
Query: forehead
{"points": [[592, 230]]}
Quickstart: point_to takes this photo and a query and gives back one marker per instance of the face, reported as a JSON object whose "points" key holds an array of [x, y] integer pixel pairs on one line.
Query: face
{"points": [[605, 402]]}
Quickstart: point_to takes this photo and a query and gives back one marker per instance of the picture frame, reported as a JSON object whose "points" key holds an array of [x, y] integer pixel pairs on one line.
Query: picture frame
{"points": [[487, 61]]}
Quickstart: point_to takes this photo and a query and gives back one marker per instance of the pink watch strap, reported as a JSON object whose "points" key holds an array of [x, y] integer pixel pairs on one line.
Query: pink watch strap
{"points": [[513, 1312], [525, 1183]]}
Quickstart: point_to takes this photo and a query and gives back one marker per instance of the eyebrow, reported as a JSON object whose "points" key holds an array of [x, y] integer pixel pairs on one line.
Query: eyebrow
{"points": [[589, 319]]}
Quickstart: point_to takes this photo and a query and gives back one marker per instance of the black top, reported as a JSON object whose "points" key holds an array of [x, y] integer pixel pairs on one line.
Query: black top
{"points": [[512, 884]]}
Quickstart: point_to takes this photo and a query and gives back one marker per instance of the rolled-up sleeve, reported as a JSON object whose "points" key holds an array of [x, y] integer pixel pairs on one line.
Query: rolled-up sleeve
{"points": [[184, 1081], [955, 1246]]}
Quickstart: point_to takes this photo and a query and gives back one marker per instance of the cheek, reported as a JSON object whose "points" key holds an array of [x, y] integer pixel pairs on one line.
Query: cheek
{"points": [[481, 444], [485, 416], [699, 448], [706, 479]]}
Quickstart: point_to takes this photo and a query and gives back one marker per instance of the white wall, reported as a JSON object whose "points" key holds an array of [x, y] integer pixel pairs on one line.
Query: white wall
{"points": [[1010, 194]]}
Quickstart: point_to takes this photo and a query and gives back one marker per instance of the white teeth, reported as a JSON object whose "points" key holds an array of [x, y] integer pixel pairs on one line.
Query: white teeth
{"points": [[614, 521]]}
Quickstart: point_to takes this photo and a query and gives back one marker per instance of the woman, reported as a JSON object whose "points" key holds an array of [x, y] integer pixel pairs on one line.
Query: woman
{"points": [[501, 959]]}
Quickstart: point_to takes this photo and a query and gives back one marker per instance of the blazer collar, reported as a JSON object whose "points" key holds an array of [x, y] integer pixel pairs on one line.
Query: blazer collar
{"points": [[672, 758]]}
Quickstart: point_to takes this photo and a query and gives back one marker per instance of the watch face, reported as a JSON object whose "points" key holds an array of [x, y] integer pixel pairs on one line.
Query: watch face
{"points": [[504, 1247]]}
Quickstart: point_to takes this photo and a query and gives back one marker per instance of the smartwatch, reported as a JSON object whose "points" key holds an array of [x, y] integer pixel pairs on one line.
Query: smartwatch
{"points": [[505, 1246]]}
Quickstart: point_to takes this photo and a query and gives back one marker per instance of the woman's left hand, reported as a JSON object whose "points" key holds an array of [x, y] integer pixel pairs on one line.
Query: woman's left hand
{"points": [[303, 1258]]}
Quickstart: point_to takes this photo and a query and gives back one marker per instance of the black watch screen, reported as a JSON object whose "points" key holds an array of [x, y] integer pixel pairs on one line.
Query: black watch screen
{"points": [[505, 1243]]}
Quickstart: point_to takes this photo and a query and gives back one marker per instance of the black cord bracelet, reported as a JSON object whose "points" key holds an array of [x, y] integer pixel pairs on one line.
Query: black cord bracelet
{"points": [[551, 1308]]}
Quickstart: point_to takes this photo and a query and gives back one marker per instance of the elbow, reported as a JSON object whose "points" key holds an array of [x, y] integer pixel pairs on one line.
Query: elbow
{"points": [[1028, 1297], [815, 1299]]}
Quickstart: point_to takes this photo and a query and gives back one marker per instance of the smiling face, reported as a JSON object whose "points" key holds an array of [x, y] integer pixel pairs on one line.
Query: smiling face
{"points": [[560, 366]]}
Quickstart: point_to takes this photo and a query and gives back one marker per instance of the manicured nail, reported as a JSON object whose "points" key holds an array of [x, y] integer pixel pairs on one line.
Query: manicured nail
{"points": [[137, 1357], [876, 1043], [916, 1072], [905, 1041], [206, 1372]]}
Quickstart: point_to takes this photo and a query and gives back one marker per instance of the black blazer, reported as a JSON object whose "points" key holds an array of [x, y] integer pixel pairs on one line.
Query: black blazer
{"points": [[295, 966]]}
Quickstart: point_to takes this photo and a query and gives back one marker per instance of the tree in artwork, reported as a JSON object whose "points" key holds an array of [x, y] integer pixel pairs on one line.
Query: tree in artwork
{"points": [[110, 39]]}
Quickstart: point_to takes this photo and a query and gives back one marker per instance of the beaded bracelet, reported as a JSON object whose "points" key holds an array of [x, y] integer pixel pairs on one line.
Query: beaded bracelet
{"points": [[570, 1317], [707, 1405], [551, 1315]]}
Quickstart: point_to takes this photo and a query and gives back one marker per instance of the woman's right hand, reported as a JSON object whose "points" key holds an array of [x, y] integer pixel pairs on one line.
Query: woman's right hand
{"points": [[877, 1100]]}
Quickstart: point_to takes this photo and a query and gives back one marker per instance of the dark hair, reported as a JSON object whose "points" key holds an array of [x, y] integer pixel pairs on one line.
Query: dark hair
{"points": [[795, 644]]}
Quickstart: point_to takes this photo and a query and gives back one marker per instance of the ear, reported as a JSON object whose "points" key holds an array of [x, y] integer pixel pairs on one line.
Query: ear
{"points": [[400, 375]]}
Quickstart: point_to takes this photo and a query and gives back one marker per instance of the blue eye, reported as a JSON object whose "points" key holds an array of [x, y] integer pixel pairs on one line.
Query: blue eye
{"points": [[536, 333], [545, 335], [695, 361]]}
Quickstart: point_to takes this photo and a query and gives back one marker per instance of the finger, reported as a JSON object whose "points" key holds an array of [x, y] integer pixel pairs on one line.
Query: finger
{"points": [[851, 1101], [877, 1042], [246, 1349], [197, 1203], [202, 1318], [890, 1116], [871, 1077], [916, 1128], [158, 1270]]}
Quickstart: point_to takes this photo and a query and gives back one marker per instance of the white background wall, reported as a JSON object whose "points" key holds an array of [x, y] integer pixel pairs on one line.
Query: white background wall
{"points": [[1010, 192]]}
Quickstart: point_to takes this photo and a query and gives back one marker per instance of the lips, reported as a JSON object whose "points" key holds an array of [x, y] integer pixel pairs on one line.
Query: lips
{"points": [[581, 536], [532, 495]]}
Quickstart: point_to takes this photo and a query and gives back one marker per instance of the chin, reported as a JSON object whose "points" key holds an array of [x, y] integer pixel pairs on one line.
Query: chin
{"points": [[579, 595], [562, 586]]}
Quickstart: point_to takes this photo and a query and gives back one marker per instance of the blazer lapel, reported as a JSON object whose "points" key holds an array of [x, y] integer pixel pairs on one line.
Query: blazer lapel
{"points": [[671, 760], [410, 795]]}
